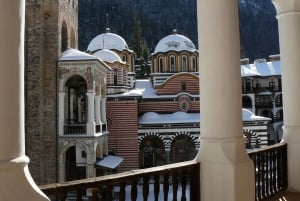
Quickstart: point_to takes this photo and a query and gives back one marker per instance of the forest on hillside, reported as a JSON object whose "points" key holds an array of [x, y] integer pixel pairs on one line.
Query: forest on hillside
{"points": [[158, 18]]}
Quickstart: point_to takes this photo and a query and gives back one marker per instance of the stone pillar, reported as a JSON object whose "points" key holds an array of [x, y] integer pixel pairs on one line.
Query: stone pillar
{"points": [[61, 113], [90, 171], [15, 180], [61, 168], [90, 127], [226, 171], [98, 109], [288, 15]]}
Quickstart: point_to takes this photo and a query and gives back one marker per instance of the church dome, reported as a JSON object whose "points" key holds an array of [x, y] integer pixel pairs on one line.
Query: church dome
{"points": [[107, 41], [108, 56], [174, 42]]}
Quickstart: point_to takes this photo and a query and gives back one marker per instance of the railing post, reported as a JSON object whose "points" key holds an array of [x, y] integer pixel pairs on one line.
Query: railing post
{"points": [[183, 186], [145, 188], [156, 187], [108, 192], [122, 191], [134, 190], [166, 186], [195, 183], [175, 185], [62, 196], [95, 194]]}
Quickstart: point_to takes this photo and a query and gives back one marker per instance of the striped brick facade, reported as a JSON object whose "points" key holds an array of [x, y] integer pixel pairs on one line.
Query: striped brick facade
{"points": [[181, 82], [122, 120], [166, 105]]}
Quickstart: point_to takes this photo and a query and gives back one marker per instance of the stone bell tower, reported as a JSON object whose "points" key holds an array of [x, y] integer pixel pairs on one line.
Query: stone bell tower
{"points": [[51, 27]]}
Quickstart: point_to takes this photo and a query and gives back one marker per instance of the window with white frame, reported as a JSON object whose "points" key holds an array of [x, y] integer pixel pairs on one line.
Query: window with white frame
{"points": [[172, 63], [161, 65], [194, 64], [184, 63]]}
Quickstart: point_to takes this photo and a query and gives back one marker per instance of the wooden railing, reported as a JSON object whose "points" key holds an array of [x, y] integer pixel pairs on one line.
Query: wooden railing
{"points": [[270, 170], [163, 180]]}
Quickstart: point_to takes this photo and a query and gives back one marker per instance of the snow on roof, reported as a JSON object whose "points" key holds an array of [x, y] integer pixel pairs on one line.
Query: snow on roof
{"points": [[107, 41], [76, 55], [146, 86], [249, 116], [246, 72], [174, 42], [264, 68], [177, 117], [183, 117], [108, 56]]}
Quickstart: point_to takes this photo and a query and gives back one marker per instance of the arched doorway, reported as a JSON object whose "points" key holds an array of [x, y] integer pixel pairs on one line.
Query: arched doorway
{"points": [[152, 152], [182, 149], [74, 172]]}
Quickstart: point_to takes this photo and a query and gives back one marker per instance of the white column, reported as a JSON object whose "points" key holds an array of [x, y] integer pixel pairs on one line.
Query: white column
{"points": [[288, 15], [15, 179], [226, 171], [61, 168], [90, 113], [98, 109], [274, 107], [90, 163], [103, 110], [79, 109], [90, 170], [61, 113], [72, 96]]}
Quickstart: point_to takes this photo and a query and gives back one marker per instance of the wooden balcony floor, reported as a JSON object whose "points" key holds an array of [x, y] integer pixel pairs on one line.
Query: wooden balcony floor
{"points": [[288, 196]]}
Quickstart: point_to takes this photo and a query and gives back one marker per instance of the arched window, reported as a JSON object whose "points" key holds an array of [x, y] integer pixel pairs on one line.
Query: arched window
{"points": [[64, 36], [73, 39], [115, 77], [124, 58], [172, 63], [184, 64], [161, 65], [183, 86], [195, 64]]}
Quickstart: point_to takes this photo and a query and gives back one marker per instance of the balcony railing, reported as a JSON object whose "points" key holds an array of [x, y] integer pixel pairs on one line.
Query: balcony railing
{"points": [[75, 129], [161, 179], [270, 180], [270, 170]]}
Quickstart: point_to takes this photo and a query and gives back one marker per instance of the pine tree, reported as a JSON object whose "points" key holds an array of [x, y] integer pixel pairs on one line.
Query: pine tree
{"points": [[137, 44]]}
